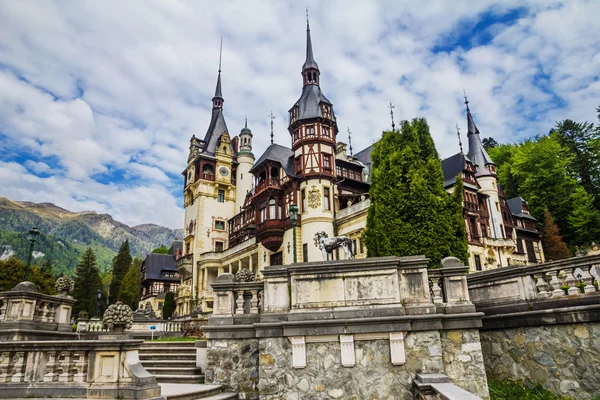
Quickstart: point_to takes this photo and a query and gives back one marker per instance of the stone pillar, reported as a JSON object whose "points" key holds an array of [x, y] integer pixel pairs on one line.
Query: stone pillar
{"points": [[250, 266]]}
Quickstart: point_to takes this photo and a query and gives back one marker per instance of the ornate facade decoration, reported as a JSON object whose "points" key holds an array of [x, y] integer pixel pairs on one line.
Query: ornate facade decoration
{"points": [[314, 197]]}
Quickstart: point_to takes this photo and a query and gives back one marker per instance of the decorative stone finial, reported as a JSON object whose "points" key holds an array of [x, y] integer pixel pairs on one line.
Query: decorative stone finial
{"points": [[244, 275], [118, 314], [64, 284]]}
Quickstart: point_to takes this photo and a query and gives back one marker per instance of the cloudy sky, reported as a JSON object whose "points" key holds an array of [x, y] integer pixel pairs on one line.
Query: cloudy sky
{"points": [[98, 99]]}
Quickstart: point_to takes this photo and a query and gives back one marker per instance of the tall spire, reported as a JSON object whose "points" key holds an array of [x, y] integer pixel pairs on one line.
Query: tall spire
{"points": [[218, 97], [471, 127], [391, 107], [310, 69], [459, 139]]}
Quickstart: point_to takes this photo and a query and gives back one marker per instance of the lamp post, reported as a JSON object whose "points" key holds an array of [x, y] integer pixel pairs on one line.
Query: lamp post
{"points": [[294, 219], [32, 237]]}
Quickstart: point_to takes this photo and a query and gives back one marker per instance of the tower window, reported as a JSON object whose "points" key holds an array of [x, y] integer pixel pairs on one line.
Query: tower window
{"points": [[303, 195], [221, 196], [272, 209], [218, 246], [220, 225], [327, 161], [298, 162], [326, 131], [326, 202], [263, 212], [310, 131]]}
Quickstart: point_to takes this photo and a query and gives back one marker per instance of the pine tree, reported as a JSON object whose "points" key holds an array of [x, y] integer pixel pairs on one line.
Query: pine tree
{"points": [[168, 306], [87, 283], [130, 287], [13, 272], [554, 247], [121, 264], [410, 212]]}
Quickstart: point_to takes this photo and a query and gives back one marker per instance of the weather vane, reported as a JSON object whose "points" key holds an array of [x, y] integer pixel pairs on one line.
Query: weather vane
{"points": [[391, 107], [459, 140], [272, 118], [350, 140]]}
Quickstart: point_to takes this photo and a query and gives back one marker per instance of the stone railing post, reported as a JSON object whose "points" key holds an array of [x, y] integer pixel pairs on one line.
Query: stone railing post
{"points": [[556, 284], [456, 290], [542, 286], [223, 295], [571, 282], [277, 294], [254, 302], [240, 302], [587, 278], [414, 285]]}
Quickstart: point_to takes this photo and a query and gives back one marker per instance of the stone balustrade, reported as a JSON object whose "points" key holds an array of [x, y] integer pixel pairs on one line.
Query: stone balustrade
{"points": [[26, 314], [82, 369], [234, 298], [576, 276]]}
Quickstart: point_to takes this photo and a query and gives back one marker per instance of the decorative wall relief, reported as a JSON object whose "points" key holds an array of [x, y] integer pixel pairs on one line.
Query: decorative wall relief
{"points": [[314, 197]]}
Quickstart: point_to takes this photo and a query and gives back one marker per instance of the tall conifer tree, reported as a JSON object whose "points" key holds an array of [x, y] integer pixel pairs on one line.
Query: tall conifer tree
{"points": [[554, 247], [411, 213], [87, 283], [121, 264], [129, 292]]}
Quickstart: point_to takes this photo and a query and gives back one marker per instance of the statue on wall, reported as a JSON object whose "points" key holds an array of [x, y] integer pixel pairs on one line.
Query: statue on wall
{"points": [[327, 245]]}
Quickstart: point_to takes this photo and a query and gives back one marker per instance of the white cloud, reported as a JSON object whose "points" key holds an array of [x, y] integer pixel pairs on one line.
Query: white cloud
{"points": [[99, 87]]}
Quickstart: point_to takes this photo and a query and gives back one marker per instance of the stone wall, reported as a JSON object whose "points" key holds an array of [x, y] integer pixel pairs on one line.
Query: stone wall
{"points": [[233, 364], [373, 376], [463, 361], [562, 358]]}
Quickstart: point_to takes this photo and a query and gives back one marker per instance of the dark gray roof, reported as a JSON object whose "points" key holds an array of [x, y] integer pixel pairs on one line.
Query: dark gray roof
{"points": [[453, 166], [216, 128], [279, 154], [310, 61], [177, 245], [309, 103], [218, 93], [364, 156], [477, 153], [516, 208], [155, 263]]}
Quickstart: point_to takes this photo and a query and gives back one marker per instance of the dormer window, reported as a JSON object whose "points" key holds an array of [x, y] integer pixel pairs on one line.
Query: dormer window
{"points": [[326, 132], [326, 111], [310, 131]]}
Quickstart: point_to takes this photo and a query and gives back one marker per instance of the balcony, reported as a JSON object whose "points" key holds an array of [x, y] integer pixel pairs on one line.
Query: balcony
{"points": [[498, 242], [242, 227], [269, 183], [185, 266], [270, 233], [353, 209]]}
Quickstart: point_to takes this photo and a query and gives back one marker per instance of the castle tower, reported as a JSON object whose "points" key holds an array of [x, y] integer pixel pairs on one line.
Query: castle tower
{"points": [[245, 160], [313, 129], [486, 176]]}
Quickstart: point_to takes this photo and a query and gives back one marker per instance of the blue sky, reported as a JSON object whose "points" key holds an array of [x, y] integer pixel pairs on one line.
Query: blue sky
{"points": [[98, 100]]}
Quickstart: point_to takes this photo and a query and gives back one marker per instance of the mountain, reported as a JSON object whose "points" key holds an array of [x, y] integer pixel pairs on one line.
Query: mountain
{"points": [[73, 232]]}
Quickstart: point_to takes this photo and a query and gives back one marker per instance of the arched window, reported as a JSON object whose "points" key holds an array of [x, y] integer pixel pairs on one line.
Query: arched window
{"points": [[272, 208]]}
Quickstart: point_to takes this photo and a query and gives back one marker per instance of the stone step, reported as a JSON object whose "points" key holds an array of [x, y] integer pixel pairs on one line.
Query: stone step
{"points": [[169, 344], [174, 391], [166, 349], [173, 370], [189, 379], [167, 356], [169, 363]]}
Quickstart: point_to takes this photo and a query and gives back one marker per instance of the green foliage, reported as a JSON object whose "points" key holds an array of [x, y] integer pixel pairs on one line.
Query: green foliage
{"points": [[411, 213], [538, 170], [489, 143], [582, 142], [554, 246], [121, 264], [129, 292], [168, 306], [517, 390], [87, 284], [13, 272], [161, 250]]}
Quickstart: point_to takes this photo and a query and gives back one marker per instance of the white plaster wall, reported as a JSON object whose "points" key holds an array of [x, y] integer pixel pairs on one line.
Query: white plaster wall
{"points": [[315, 219], [489, 187], [243, 179]]}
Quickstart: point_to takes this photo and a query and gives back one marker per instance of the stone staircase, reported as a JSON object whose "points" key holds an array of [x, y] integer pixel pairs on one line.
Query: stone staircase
{"points": [[174, 366], [171, 362]]}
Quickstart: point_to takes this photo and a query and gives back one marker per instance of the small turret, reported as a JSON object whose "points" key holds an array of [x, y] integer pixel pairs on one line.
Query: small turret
{"points": [[246, 139]]}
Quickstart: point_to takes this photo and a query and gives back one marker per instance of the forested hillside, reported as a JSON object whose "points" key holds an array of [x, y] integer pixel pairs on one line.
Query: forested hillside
{"points": [[64, 235]]}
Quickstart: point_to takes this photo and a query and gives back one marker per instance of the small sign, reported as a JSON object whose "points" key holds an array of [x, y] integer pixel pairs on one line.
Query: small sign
{"points": [[152, 327]]}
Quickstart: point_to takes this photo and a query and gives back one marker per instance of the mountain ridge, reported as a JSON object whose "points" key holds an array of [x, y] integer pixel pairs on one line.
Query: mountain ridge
{"points": [[81, 229]]}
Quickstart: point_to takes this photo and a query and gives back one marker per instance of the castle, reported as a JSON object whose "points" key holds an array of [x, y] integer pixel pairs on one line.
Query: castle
{"points": [[237, 208]]}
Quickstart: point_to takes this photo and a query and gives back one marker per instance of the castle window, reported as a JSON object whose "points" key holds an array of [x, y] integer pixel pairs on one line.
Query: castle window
{"points": [[298, 162], [326, 132], [326, 112], [221, 196], [263, 212], [272, 208], [310, 131], [219, 246], [304, 252], [338, 170], [477, 262], [296, 135], [303, 195], [220, 225], [326, 202], [327, 161]]}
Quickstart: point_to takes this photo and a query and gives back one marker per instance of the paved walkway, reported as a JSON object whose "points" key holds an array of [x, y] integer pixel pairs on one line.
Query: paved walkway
{"points": [[167, 389]]}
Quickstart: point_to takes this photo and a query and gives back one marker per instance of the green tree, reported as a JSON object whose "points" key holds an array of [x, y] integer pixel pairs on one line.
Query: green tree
{"points": [[168, 306], [489, 143], [121, 264], [13, 272], [554, 246], [582, 141], [410, 212], [130, 287], [161, 250], [87, 283]]}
